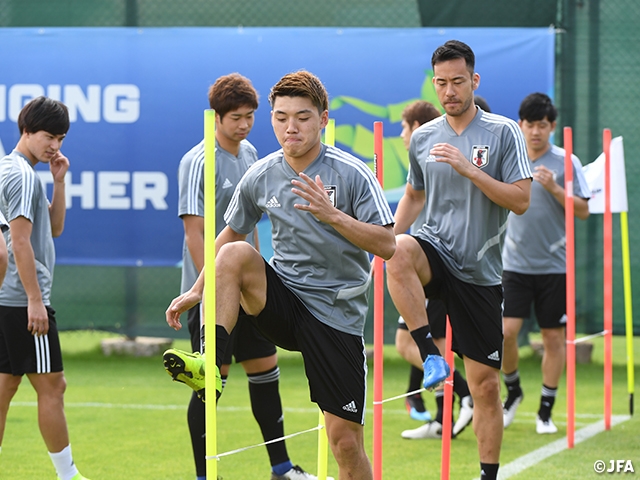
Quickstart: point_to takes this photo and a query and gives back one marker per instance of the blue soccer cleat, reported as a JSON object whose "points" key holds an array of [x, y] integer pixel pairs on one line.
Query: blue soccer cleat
{"points": [[436, 371]]}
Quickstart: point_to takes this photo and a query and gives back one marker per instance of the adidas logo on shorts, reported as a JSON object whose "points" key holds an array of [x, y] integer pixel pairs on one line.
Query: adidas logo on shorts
{"points": [[351, 407], [494, 356], [273, 203]]}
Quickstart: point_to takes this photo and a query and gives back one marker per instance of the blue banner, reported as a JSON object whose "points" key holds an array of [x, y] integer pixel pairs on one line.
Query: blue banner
{"points": [[137, 96]]}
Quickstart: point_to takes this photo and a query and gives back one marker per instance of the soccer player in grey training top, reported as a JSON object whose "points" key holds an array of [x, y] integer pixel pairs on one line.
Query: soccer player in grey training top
{"points": [[234, 100], [327, 211], [534, 257], [413, 116], [471, 168], [29, 343]]}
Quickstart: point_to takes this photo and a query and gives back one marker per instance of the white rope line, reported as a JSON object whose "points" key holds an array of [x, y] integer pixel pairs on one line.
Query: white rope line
{"points": [[408, 394], [286, 437], [589, 337]]}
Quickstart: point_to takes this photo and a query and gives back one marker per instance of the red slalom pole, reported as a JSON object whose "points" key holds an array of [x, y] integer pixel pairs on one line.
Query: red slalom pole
{"points": [[378, 320], [445, 459], [608, 277], [571, 285]]}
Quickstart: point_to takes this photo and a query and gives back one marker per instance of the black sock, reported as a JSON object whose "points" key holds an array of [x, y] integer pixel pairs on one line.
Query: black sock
{"points": [[439, 394], [489, 471], [222, 338], [223, 379], [416, 376], [195, 419], [267, 409], [460, 386], [512, 381], [547, 399], [422, 337]]}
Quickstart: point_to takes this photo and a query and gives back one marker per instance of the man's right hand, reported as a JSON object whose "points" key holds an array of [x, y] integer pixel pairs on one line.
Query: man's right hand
{"points": [[38, 318], [180, 305]]}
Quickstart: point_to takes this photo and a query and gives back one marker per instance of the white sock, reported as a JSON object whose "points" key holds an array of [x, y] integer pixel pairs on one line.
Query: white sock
{"points": [[63, 463]]}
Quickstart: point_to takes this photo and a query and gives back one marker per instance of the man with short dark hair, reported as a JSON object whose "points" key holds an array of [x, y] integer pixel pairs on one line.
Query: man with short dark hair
{"points": [[29, 342], [471, 169], [534, 258], [413, 116]]}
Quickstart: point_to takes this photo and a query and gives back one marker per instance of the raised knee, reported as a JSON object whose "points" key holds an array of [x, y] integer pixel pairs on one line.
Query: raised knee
{"points": [[401, 259], [233, 255]]}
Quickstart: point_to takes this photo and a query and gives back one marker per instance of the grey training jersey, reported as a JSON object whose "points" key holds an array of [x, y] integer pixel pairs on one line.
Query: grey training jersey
{"points": [[22, 194], [328, 273], [229, 171], [536, 241], [464, 226]]}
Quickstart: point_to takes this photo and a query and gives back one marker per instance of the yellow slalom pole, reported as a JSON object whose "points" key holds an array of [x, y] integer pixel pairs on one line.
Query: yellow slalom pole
{"points": [[628, 307], [323, 442], [209, 295]]}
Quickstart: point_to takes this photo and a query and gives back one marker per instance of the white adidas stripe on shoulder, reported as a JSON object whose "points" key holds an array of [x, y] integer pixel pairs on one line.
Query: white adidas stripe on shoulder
{"points": [[196, 171], [523, 158], [381, 203], [28, 176]]}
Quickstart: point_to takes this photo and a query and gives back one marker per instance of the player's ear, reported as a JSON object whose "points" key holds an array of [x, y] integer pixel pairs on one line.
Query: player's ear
{"points": [[324, 118], [476, 81]]}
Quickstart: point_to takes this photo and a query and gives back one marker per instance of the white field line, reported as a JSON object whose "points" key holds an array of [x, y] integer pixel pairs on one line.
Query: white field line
{"points": [[223, 408], [530, 459]]}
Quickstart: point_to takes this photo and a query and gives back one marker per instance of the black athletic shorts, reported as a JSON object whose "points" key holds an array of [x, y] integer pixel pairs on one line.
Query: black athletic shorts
{"points": [[21, 352], [437, 314], [335, 362], [245, 342], [547, 293], [475, 311]]}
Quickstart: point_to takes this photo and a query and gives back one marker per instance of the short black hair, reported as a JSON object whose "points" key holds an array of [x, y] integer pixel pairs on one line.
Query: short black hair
{"points": [[43, 113], [452, 50], [536, 107]]}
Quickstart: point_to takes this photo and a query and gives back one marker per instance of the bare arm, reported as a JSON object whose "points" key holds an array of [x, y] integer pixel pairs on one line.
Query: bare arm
{"points": [[513, 196], [409, 207], [58, 166], [545, 177], [38, 323], [376, 239]]}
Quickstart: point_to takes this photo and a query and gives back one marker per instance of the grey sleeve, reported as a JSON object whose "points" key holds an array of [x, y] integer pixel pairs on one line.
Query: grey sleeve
{"points": [[242, 214], [191, 185], [515, 161]]}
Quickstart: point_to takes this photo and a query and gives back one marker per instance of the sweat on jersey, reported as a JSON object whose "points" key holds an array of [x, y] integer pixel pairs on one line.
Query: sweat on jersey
{"points": [[229, 171], [326, 271], [536, 241], [464, 226], [23, 194]]}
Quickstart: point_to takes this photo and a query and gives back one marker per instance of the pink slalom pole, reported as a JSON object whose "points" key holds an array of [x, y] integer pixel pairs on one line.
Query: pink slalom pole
{"points": [[378, 321], [445, 458], [608, 278], [571, 285]]}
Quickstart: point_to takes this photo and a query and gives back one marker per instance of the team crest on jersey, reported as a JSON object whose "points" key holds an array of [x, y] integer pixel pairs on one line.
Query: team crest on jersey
{"points": [[331, 191], [480, 156]]}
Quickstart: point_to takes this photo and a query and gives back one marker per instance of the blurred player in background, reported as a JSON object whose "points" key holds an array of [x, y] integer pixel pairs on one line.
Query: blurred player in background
{"points": [[534, 258], [234, 100], [29, 342]]}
